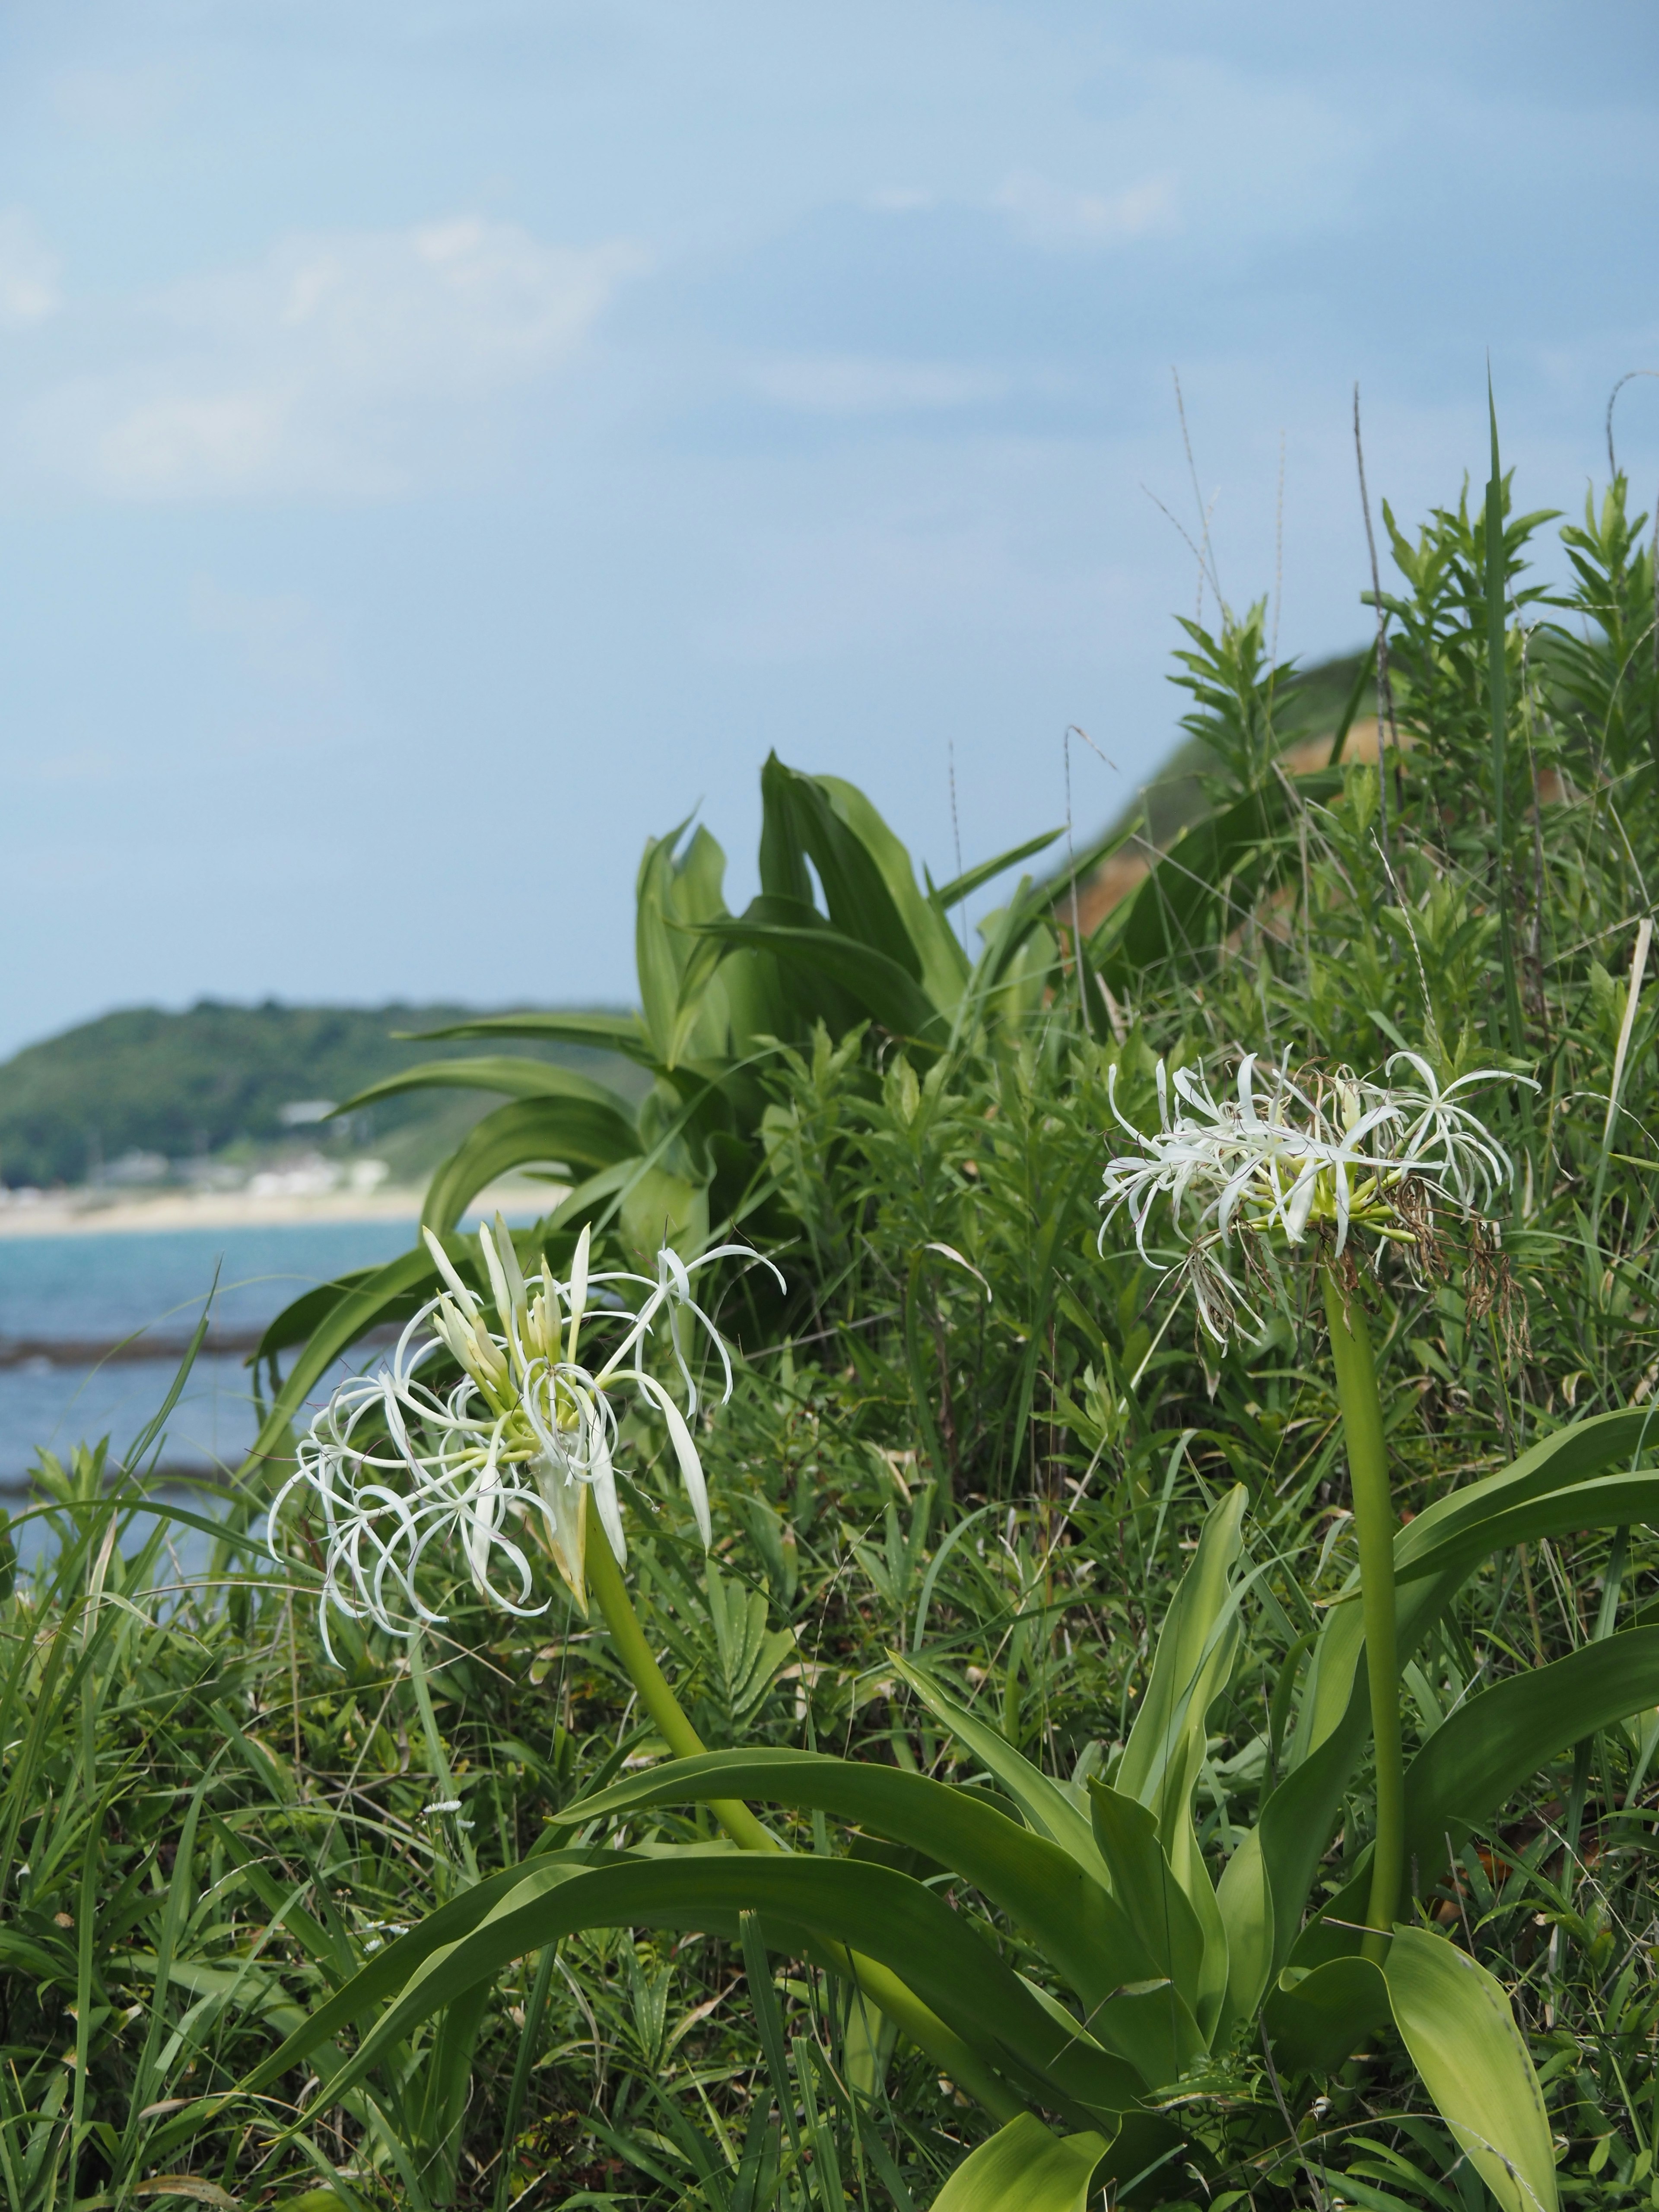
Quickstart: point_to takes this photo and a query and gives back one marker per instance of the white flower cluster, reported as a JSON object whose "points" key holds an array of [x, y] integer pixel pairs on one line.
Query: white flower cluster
{"points": [[1283, 1155], [395, 1465]]}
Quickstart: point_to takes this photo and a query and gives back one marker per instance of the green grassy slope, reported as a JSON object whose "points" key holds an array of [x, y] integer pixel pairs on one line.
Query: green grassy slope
{"points": [[217, 1077]]}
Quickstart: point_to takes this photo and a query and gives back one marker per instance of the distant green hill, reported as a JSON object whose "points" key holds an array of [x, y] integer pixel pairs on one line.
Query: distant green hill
{"points": [[216, 1080]]}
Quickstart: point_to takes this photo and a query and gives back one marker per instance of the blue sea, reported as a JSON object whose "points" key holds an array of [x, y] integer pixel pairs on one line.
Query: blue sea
{"points": [[86, 1290]]}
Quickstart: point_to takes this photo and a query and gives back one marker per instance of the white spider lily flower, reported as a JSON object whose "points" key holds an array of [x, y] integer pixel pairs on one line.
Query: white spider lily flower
{"points": [[530, 1430], [1286, 1154]]}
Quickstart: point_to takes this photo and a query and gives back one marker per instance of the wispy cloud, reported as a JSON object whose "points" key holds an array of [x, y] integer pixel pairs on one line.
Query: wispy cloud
{"points": [[1058, 217], [28, 273], [849, 384], [342, 364]]}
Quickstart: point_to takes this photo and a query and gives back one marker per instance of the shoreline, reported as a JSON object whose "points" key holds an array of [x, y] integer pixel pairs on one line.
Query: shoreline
{"points": [[83, 1213]]}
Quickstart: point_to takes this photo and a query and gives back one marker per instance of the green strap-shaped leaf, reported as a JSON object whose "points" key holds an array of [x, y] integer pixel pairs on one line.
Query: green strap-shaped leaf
{"points": [[1584, 1449], [511, 1074], [685, 1008], [1558, 1478], [1145, 1886], [530, 1130], [1165, 1751], [1606, 1501], [1045, 1803], [948, 894], [1084, 1933], [1456, 2022], [863, 904], [1026, 2168], [1480, 1756], [1164, 1754], [801, 1902], [622, 1033]]}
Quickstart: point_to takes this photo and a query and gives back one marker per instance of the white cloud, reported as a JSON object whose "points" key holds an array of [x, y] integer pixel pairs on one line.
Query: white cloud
{"points": [[837, 384], [28, 273], [1057, 216], [901, 199], [345, 363], [106, 102]]}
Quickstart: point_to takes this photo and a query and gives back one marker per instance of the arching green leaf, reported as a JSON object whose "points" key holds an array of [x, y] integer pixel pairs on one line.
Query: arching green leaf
{"points": [[529, 1131], [1483, 1754], [1084, 1934], [802, 1903]]}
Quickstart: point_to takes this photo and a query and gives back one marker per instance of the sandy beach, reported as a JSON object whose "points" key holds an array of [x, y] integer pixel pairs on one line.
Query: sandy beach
{"points": [[104, 1212]]}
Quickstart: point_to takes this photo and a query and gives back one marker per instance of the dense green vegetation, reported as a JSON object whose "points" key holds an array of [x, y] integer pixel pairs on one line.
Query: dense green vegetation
{"points": [[972, 1451], [216, 1078]]}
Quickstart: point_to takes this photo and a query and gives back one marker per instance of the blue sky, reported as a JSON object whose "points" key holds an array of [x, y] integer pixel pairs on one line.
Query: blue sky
{"points": [[441, 444]]}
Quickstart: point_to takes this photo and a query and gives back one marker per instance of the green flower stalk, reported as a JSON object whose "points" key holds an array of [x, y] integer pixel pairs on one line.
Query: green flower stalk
{"points": [[1306, 1165]]}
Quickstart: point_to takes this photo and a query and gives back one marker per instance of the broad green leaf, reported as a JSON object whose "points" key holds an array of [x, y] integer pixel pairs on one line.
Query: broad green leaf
{"points": [[942, 963], [1482, 1754], [1045, 1803], [1296, 1824], [1026, 2168], [876, 985], [862, 903], [1065, 1910], [1456, 2022], [301, 1316], [685, 1011], [1572, 1454], [659, 1208], [529, 1131], [1195, 1646], [1317, 2020], [1244, 1898], [802, 1903]]}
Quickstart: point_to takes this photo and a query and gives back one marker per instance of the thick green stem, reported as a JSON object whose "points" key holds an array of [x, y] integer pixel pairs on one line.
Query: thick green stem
{"points": [[883, 1987], [1374, 1520]]}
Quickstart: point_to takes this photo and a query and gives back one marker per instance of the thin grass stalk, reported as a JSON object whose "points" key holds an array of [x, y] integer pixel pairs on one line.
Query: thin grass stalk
{"points": [[1498, 702], [1374, 1520]]}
